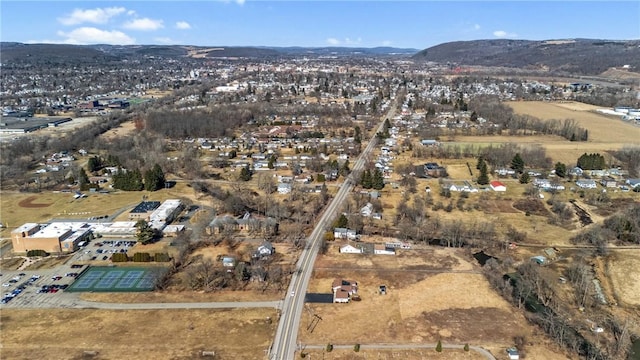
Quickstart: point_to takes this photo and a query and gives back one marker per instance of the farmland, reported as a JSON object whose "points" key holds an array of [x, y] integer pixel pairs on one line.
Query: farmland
{"points": [[432, 294], [139, 334]]}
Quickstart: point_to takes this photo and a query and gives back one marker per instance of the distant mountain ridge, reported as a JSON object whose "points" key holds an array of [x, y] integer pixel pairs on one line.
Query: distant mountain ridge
{"points": [[54, 53], [576, 56]]}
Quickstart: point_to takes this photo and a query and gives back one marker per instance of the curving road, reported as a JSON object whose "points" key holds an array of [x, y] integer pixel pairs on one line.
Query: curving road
{"points": [[284, 344], [477, 349]]}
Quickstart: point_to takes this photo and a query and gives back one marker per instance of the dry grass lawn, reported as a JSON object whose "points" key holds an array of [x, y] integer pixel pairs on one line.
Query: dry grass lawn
{"points": [[626, 283], [18, 208], [136, 334], [343, 354], [420, 306]]}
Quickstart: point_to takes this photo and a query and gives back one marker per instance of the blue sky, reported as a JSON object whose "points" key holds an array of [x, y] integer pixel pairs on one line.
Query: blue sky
{"points": [[414, 24]]}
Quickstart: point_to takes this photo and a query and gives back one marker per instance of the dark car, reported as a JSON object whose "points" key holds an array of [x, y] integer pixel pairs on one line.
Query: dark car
{"points": [[105, 257]]}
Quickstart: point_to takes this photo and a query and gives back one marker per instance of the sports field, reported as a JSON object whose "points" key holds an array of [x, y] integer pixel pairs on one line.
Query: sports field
{"points": [[115, 279]]}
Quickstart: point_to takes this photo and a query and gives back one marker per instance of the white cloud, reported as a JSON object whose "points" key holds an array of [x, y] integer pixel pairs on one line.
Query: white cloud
{"points": [[144, 24], [131, 12], [183, 25], [476, 27], [504, 34], [240, 2], [91, 35], [348, 41], [345, 42], [164, 40], [95, 16], [386, 43], [333, 41]]}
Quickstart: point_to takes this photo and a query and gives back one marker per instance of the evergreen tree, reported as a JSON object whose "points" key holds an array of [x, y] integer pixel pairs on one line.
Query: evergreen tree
{"points": [[83, 179], [561, 169], [377, 180], [357, 138], [517, 163], [480, 162], [144, 232], [366, 179], [135, 180], [154, 178], [272, 161], [483, 178], [524, 178], [439, 346], [341, 222], [344, 170], [94, 164], [245, 174]]}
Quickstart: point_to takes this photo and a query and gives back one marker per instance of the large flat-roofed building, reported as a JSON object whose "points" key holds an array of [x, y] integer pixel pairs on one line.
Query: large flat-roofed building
{"points": [[165, 214], [143, 210], [62, 237]]}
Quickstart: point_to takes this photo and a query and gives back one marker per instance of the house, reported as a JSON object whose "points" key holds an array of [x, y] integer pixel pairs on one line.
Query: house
{"points": [[264, 250], [576, 171], [350, 249], [608, 182], [343, 290], [505, 172], [586, 183], [540, 260], [497, 186], [342, 233], [367, 210], [229, 261], [429, 142], [341, 296], [513, 354], [382, 249], [634, 183], [284, 188]]}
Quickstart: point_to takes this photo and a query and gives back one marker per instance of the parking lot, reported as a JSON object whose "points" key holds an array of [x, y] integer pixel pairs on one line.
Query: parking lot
{"points": [[38, 288], [102, 250]]}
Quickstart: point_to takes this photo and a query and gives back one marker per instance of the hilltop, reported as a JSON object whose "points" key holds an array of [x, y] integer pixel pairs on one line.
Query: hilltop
{"points": [[572, 56]]}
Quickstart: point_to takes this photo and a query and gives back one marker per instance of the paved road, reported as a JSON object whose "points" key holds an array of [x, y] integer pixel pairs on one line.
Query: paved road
{"points": [[477, 349], [284, 344]]}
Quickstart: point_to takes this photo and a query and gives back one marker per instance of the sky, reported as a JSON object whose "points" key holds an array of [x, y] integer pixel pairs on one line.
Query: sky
{"points": [[357, 23]]}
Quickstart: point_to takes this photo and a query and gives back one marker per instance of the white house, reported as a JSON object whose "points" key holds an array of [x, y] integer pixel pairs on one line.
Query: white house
{"points": [[367, 210], [350, 249], [284, 188], [342, 233], [586, 183], [498, 186], [381, 249]]}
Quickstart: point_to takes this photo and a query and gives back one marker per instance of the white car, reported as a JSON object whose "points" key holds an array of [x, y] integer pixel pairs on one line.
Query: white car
{"points": [[293, 293], [6, 285]]}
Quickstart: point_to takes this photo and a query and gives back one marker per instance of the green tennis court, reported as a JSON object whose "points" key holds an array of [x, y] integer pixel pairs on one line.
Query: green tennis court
{"points": [[116, 279]]}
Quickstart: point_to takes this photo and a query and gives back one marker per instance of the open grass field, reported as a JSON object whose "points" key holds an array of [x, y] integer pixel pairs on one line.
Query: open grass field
{"points": [[343, 354], [626, 284], [432, 294], [136, 334], [17, 208]]}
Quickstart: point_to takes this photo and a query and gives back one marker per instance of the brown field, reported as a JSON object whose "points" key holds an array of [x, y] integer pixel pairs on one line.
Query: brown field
{"points": [[626, 284], [343, 354], [18, 208], [136, 334], [124, 129], [421, 305], [605, 133], [11, 264]]}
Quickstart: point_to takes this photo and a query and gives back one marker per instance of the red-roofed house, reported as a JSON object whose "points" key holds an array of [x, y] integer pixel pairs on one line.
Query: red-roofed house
{"points": [[498, 186]]}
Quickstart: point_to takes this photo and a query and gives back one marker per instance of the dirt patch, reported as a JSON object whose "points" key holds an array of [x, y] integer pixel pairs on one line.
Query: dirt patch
{"points": [[29, 203], [583, 215], [497, 206], [531, 206], [11, 264], [183, 296], [136, 334]]}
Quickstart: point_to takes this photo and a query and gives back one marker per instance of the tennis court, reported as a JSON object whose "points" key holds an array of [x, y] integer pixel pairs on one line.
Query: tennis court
{"points": [[116, 279]]}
